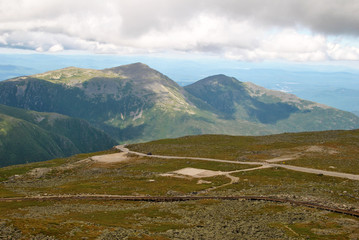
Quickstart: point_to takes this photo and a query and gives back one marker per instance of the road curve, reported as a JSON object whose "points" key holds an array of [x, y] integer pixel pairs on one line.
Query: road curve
{"points": [[124, 149], [264, 164]]}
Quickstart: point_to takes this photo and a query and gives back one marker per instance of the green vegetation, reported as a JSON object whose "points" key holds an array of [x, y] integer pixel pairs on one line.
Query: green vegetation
{"points": [[72, 75], [6, 172], [334, 162], [209, 146], [282, 182], [327, 150], [27, 136], [206, 219], [140, 176], [134, 103], [117, 220], [4, 192], [111, 184], [230, 98]]}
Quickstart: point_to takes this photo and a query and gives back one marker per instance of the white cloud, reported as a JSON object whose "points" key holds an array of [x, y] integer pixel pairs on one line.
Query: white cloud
{"points": [[203, 33], [337, 52], [295, 30], [56, 48]]}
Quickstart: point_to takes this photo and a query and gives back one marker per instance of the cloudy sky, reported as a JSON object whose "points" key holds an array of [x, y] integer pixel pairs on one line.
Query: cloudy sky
{"points": [[247, 30]]}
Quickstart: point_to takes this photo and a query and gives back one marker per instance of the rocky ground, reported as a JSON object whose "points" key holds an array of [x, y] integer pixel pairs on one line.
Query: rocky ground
{"points": [[206, 219], [203, 219]]}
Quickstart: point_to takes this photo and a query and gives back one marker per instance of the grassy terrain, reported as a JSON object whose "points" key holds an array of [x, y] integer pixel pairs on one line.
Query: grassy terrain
{"points": [[6, 172], [205, 219], [140, 176], [333, 150], [344, 161], [297, 185], [166, 165], [208, 219], [72, 75]]}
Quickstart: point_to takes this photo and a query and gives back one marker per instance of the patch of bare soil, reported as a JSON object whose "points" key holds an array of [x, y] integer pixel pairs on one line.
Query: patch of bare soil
{"points": [[321, 149], [283, 158], [39, 172], [197, 172], [111, 158], [201, 181]]}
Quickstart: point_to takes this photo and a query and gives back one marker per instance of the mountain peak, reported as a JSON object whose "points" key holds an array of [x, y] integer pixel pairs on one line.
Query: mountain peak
{"points": [[130, 68], [138, 64], [137, 103], [142, 74], [219, 79]]}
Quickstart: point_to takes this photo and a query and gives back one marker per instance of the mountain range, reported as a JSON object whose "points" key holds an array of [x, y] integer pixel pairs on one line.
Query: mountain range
{"points": [[135, 103]]}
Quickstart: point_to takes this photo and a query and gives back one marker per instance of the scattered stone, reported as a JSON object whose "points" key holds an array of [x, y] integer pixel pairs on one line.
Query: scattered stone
{"points": [[9, 232], [201, 181]]}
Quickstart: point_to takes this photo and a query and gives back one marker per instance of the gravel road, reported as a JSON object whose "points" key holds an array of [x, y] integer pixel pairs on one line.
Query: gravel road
{"points": [[264, 164]]}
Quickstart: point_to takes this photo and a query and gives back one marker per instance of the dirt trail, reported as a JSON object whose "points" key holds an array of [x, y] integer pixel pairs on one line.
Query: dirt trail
{"points": [[263, 164], [232, 178], [281, 159], [251, 169], [124, 149], [318, 171]]}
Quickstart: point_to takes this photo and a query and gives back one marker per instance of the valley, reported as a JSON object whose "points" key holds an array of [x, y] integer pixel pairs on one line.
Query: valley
{"points": [[29, 136]]}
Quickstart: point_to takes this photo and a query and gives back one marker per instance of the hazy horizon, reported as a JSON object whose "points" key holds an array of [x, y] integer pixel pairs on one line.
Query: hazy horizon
{"points": [[307, 48]]}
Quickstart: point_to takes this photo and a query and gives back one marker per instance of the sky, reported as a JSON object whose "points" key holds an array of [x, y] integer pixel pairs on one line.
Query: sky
{"points": [[299, 31], [306, 47]]}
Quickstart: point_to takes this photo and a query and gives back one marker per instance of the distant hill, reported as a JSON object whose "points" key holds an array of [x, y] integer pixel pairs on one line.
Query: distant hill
{"points": [[281, 111], [137, 103], [28, 136], [10, 71]]}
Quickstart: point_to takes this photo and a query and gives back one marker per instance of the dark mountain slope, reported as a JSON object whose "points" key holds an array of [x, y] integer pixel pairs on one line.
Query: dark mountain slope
{"points": [[229, 96], [28, 136], [136, 103], [115, 100]]}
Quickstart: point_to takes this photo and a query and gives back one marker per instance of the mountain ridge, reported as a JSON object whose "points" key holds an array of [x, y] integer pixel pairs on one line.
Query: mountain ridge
{"points": [[137, 103]]}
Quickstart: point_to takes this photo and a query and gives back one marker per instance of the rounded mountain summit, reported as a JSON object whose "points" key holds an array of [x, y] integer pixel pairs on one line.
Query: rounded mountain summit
{"points": [[135, 103]]}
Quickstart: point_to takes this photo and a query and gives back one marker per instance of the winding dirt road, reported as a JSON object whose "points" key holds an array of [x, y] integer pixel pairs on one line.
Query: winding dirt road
{"points": [[262, 164]]}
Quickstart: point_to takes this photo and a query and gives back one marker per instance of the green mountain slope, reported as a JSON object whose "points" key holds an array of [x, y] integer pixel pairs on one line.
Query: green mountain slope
{"points": [[136, 103], [308, 116], [284, 112], [117, 100], [27, 136], [232, 100]]}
